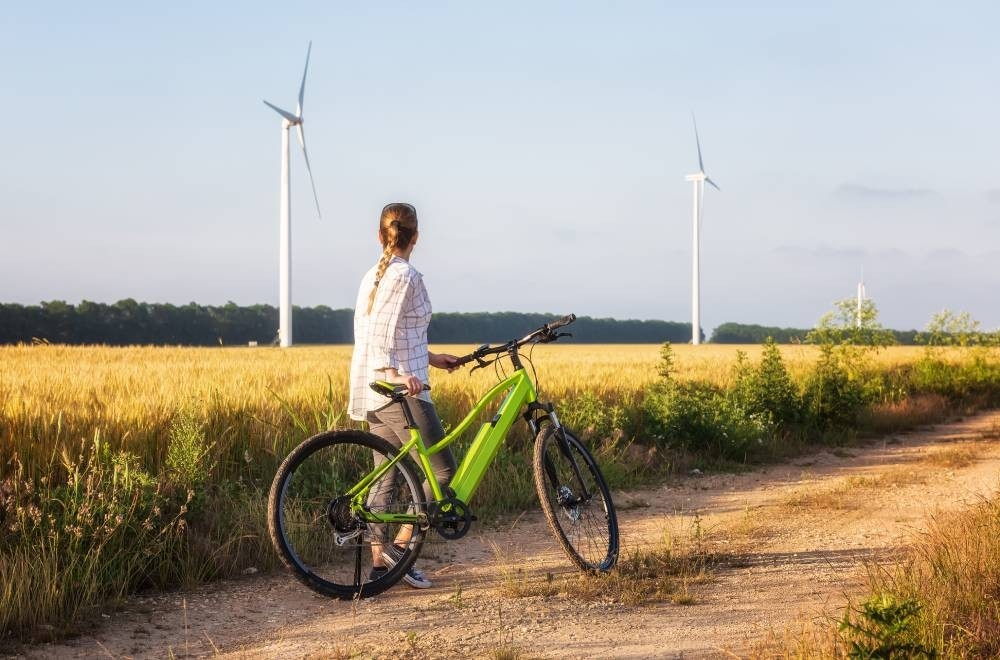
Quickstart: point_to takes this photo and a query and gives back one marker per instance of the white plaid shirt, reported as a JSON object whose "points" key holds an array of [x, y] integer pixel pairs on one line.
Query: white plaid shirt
{"points": [[393, 335]]}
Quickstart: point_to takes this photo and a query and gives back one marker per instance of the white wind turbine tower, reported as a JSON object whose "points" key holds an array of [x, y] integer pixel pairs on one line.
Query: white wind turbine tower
{"points": [[861, 296], [285, 255], [699, 178]]}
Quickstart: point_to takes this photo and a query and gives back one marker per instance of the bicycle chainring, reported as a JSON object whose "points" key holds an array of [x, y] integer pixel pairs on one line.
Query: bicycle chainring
{"points": [[451, 517]]}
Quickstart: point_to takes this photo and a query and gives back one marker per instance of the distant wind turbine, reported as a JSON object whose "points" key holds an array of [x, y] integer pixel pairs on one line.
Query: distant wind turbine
{"points": [[861, 296], [699, 179], [285, 250]]}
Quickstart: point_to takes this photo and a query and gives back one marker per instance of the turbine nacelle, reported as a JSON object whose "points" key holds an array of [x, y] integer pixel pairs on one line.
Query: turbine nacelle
{"points": [[292, 120]]}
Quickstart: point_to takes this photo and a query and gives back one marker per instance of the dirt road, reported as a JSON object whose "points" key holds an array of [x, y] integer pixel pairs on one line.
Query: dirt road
{"points": [[802, 532]]}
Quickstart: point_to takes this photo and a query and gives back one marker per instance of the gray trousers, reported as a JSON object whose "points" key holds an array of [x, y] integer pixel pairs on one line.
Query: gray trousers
{"points": [[389, 423]]}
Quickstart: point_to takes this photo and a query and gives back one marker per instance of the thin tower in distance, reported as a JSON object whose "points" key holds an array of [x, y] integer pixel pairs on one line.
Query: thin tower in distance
{"points": [[288, 120], [699, 179]]}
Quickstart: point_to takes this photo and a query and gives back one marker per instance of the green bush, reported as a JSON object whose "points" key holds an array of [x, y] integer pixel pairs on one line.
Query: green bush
{"points": [[766, 390], [707, 420], [884, 628], [976, 376], [701, 418], [596, 418], [832, 399]]}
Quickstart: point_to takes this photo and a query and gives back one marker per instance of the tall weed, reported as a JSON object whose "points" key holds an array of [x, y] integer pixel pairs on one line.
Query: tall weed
{"points": [[97, 527]]}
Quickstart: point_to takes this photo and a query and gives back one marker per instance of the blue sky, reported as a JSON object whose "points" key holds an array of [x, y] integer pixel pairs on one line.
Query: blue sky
{"points": [[544, 144]]}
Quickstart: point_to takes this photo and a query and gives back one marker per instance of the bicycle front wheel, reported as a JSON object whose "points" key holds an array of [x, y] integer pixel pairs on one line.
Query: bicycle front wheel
{"points": [[575, 499], [328, 544]]}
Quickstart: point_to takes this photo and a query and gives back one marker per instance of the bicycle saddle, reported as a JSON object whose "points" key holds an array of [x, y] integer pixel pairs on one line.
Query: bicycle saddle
{"points": [[390, 390]]}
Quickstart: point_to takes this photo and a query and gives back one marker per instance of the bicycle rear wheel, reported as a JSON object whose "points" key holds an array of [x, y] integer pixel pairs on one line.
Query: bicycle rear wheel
{"points": [[575, 499], [326, 544]]}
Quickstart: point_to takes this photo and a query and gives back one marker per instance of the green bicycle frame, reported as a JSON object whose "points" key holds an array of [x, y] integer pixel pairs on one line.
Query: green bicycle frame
{"points": [[520, 391]]}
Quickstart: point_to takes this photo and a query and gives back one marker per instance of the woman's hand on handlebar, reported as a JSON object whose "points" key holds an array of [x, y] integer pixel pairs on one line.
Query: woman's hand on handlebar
{"points": [[444, 361]]}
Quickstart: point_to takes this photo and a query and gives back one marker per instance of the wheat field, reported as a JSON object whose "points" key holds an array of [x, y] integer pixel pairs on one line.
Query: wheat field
{"points": [[250, 397]]}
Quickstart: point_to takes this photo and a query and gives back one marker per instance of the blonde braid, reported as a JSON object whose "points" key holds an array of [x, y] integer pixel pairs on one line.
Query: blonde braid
{"points": [[383, 263], [396, 228]]}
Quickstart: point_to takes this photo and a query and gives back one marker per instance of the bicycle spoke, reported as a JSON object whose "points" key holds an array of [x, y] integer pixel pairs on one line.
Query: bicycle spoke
{"points": [[576, 500], [317, 530]]}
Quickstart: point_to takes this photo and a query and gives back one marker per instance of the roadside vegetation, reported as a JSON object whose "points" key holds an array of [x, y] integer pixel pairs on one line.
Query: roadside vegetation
{"points": [[940, 600], [123, 469]]}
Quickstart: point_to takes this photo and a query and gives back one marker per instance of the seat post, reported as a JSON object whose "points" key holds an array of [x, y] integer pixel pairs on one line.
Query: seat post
{"points": [[407, 414], [396, 393]]}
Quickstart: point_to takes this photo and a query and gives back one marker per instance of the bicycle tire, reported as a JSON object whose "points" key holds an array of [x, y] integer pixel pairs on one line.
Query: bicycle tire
{"points": [[303, 507], [587, 529]]}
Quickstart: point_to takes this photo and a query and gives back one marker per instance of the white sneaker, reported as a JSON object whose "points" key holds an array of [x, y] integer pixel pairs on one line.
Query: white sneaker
{"points": [[416, 579]]}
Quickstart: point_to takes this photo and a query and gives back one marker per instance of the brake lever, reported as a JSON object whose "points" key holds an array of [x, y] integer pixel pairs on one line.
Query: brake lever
{"points": [[552, 336], [480, 363]]}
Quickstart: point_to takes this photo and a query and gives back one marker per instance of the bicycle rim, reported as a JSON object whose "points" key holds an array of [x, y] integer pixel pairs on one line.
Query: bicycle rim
{"points": [[317, 535], [576, 500]]}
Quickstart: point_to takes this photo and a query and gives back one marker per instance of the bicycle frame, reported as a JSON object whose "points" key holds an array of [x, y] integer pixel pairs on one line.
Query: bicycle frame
{"points": [[520, 392]]}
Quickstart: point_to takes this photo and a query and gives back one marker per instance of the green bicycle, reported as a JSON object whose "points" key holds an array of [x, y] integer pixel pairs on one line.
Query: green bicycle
{"points": [[341, 493]]}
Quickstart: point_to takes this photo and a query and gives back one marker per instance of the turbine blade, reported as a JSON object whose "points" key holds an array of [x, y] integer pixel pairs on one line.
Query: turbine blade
{"points": [[284, 113], [701, 166], [713, 184], [302, 87], [305, 154]]}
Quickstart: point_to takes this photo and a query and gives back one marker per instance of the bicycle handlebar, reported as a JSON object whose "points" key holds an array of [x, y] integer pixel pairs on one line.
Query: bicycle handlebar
{"points": [[558, 323], [546, 333]]}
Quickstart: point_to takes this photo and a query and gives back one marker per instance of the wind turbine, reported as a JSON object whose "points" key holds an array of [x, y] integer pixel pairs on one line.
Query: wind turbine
{"points": [[285, 249], [698, 179], [861, 296]]}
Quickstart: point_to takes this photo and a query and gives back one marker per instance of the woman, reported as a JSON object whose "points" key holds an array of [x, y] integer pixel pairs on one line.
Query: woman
{"points": [[390, 343]]}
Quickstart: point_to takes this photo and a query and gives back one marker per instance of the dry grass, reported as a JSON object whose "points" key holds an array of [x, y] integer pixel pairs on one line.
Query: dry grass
{"points": [[807, 640], [854, 492], [667, 572], [953, 457], [954, 572], [911, 412]]}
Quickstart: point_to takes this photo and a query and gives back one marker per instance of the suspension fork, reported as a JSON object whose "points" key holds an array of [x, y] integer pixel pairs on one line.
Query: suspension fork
{"points": [[537, 415]]}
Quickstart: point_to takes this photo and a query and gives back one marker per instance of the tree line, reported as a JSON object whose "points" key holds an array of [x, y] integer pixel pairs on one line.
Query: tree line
{"points": [[747, 333], [128, 322]]}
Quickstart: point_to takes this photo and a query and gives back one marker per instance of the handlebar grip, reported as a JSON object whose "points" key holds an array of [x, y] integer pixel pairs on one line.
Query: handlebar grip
{"points": [[566, 320]]}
